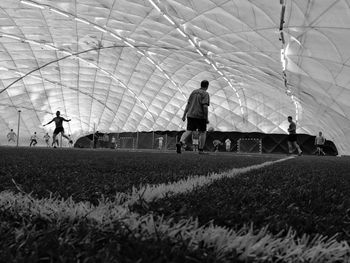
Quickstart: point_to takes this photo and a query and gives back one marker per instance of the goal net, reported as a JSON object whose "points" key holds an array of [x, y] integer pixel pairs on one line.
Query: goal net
{"points": [[126, 143], [249, 145]]}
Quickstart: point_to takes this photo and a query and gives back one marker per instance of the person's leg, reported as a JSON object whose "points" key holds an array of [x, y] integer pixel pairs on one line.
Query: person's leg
{"points": [[54, 140], [296, 145], [184, 136], [65, 136], [290, 147]]}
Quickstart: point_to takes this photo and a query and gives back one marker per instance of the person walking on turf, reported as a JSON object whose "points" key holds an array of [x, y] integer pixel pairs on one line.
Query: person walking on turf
{"points": [[319, 142], [292, 137], [196, 112], [59, 128]]}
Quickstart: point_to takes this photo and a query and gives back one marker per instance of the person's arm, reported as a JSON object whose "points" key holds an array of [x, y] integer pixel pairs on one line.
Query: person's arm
{"points": [[205, 109], [205, 103], [66, 120], [185, 112], [48, 122]]}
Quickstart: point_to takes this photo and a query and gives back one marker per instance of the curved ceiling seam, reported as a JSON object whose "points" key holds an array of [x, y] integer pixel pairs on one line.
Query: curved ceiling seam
{"points": [[106, 30], [284, 62], [180, 108], [317, 60], [326, 91], [250, 31], [14, 22], [53, 82], [64, 102], [78, 76], [14, 106], [75, 56], [79, 91], [94, 84], [41, 6], [151, 101], [196, 46], [294, 101], [25, 87], [110, 81]]}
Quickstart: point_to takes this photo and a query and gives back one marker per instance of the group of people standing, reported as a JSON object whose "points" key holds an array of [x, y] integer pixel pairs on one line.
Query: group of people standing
{"points": [[196, 114]]}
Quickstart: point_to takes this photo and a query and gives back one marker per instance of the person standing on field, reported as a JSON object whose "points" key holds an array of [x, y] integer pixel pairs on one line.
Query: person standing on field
{"points": [[292, 137], [47, 138], [59, 128], [228, 144], [11, 136], [196, 112], [319, 142]]}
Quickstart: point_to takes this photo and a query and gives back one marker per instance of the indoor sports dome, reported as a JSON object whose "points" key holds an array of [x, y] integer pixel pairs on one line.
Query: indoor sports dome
{"points": [[130, 65]]}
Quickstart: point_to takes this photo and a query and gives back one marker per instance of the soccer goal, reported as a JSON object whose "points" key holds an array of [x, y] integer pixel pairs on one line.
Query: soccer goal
{"points": [[249, 145], [126, 143]]}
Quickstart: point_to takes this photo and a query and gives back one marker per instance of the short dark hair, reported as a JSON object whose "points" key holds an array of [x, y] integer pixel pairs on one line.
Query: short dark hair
{"points": [[290, 117], [205, 84]]}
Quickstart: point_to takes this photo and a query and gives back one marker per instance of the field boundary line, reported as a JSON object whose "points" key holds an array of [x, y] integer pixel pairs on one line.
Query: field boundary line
{"points": [[247, 242], [150, 193]]}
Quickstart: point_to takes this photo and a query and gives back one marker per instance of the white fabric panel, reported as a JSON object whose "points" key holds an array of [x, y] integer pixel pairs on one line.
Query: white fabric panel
{"points": [[101, 82]]}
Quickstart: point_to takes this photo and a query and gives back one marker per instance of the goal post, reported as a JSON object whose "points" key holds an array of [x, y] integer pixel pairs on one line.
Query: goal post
{"points": [[249, 145], [126, 143]]}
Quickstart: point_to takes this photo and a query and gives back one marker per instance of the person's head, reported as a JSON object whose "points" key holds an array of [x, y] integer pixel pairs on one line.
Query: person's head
{"points": [[204, 84], [12, 130], [320, 133], [290, 118], [34, 132], [58, 113]]}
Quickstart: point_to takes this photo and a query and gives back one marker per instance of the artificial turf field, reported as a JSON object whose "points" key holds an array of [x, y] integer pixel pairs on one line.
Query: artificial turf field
{"points": [[308, 194]]}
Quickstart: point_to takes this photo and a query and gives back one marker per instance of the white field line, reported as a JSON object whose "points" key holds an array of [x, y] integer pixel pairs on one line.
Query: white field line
{"points": [[248, 244], [149, 193]]}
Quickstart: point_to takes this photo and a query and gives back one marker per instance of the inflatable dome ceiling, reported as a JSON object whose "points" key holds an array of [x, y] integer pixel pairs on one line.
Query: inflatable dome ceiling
{"points": [[130, 65]]}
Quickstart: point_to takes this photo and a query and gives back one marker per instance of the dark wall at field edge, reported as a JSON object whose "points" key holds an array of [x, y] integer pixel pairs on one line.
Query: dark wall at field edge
{"points": [[271, 143]]}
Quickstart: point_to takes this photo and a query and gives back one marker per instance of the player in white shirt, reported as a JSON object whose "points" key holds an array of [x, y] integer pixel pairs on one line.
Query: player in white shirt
{"points": [[228, 144], [160, 143], [319, 142], [47, 139], [195, 140], [11, 136], [33, 140]]}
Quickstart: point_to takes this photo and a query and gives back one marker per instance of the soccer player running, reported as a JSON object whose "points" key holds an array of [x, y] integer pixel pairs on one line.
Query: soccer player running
{"points": [[292, 137], [59, 128], [33, 140], [196, 112], [11, 136]]}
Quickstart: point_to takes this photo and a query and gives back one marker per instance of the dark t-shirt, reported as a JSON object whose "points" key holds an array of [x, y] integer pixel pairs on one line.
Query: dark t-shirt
{"points": [[196, 101], [58, 121]]}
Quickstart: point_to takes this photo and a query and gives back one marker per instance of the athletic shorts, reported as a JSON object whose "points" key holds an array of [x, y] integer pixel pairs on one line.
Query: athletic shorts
{"points": [[58, 130], [292, 137], [194, 124]]}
